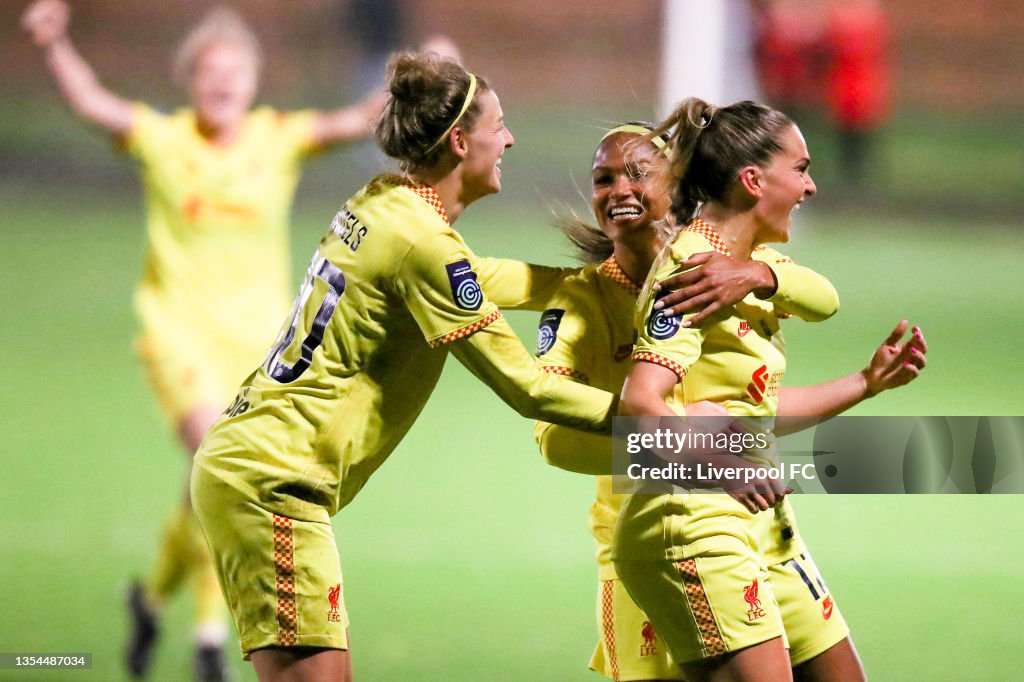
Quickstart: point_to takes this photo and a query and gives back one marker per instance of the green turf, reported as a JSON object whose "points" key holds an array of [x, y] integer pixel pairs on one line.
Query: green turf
{"points": [[466, 558]]}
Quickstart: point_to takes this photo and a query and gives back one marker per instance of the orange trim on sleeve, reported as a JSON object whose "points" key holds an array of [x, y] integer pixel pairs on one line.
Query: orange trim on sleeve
{"points": [[566, 372], [645, 356], [465, 331]]}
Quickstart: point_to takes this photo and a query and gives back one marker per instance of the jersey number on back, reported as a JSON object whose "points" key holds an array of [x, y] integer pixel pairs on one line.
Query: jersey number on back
{"points": [[334, 278]]}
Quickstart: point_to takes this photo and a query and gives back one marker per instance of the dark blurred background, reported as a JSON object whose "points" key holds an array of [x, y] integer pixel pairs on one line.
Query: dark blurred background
{"points": [[949, 138]]}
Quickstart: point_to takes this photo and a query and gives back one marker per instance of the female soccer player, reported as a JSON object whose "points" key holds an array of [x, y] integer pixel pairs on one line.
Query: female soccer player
{"points": [[696, 563], [585, 336], [219, 179], [391, 290]]}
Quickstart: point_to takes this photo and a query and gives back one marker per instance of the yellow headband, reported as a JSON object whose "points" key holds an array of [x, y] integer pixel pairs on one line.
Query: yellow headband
{"points": [[634, 129], [462, 112]]}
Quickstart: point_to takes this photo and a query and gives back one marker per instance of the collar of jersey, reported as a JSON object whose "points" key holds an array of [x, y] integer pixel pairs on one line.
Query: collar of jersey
{"points": [[706, 230], [610, 269], [427, 193]]}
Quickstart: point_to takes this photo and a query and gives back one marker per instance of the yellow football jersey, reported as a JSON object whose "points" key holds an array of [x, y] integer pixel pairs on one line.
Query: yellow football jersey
{"points": [[588, 336], [735, 359], [217, 255], [391, 289]]}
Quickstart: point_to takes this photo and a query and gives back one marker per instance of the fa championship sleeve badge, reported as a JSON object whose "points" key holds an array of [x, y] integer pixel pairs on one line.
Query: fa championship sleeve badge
{"points": [[465, 290], [547, 332], [661, 326]]}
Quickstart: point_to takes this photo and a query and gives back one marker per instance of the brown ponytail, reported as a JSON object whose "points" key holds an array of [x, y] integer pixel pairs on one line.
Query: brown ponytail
{"points": [[711, 144]]}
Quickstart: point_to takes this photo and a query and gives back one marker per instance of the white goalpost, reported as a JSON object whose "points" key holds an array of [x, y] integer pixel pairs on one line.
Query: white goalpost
{"points": [[706, 52]]}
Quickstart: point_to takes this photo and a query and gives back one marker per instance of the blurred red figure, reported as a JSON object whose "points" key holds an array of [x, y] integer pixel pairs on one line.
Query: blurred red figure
{"points": [[859, 78], [788, 49], [839, 51]]}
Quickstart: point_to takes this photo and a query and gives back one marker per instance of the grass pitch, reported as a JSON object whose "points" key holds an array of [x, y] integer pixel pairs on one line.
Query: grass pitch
{"points": [[466, 557]]}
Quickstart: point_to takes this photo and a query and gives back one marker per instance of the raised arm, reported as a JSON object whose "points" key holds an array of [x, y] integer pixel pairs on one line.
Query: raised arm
{"points": [[350, 123], [356, 122], [893, 364], [46, 21]]}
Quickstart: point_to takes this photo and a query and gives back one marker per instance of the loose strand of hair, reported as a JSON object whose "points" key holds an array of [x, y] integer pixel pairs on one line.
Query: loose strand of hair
{"points": [[591, 244]]}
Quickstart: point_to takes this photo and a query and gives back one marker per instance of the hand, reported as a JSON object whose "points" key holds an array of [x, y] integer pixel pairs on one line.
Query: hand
{"points": [[895, 364], [706, 408], [715, 281], [46, 21], [759, 494]]}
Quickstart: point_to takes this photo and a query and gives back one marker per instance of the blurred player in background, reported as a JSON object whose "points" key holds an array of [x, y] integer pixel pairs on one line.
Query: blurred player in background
{"points": [[836, 56], [724, 585], [858, 83], [390, 292], [219, 178]]}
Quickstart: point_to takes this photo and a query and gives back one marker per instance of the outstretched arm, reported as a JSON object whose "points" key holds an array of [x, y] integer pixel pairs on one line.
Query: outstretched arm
{"points": [[520, 286], [591, 453], [496, 356], [350, 123], [355, 122], [46, 21], [893, 364]]}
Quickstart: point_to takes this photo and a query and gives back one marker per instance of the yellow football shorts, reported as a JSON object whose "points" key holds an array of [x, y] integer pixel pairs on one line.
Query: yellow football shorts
{"points": [[693, 564], [281, 577], [812, 619], [629, 646]]}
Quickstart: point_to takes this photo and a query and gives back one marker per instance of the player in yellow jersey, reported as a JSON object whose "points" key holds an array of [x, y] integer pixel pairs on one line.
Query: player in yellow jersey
{"points": [[698, 564], [390, 292], [219, 178], [588, 335]]}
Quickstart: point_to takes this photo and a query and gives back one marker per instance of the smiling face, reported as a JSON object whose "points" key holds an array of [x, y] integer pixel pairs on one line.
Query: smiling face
{"points": [[786, 183], [628, 185], [485, 144], [223, 85]]}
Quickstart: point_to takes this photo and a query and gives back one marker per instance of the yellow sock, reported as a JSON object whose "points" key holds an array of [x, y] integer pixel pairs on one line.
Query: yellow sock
{"points": [[183, 554], [211, 612], [173, 560]]}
